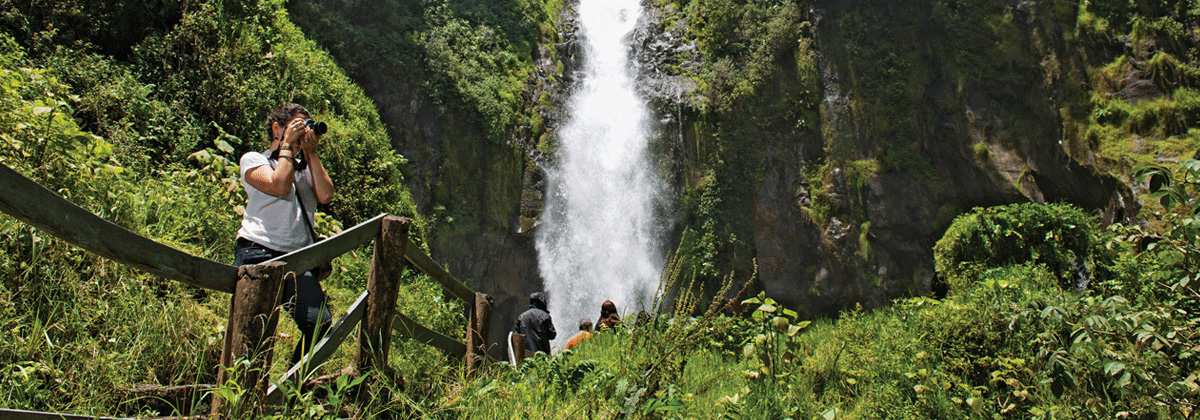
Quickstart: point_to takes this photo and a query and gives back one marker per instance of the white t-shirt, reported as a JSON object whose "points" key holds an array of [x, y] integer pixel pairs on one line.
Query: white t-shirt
{"points": [[275, 222]]}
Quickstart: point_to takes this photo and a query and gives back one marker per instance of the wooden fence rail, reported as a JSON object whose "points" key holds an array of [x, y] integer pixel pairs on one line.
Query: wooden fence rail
{"points": [[323, 350], [7, 414], [257, 289], [34, 204], [407, 326], [311, 256], [437, 273]]}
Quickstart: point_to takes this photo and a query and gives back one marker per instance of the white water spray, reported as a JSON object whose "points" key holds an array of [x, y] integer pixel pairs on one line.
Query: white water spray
{"points": [[599, 239]]}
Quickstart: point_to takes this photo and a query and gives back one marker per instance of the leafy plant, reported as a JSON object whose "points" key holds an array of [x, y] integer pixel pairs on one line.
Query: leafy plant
{"points": [[774, 343], [1059, 236], [1179, 251]]}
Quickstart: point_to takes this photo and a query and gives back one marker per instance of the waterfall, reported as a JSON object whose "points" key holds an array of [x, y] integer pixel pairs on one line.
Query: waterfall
{"points": [[599, 237]]}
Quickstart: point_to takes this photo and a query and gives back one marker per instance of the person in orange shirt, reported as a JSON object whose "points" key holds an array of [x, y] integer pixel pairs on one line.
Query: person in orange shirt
{"points": [[585, 332]]}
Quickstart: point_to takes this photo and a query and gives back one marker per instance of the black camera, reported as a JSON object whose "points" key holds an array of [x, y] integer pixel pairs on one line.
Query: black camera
{"points": [[317, 127]]}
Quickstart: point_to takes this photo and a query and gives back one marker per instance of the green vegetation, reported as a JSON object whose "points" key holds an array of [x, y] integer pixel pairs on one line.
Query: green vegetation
{"points": [[1011, 343], [460, 83], [1008, 342], [211, 78], [917, 84], [1057, 236], [474, 58], [758, 94], [65, 309], [1143, 106], [143, 127]]}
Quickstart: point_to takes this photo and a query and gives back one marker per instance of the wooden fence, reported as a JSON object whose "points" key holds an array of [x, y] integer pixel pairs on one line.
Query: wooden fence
{"points": [[257, 289]]}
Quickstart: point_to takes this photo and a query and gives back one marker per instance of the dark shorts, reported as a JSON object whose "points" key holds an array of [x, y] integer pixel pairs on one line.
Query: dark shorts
{"points": [[303, 298]]}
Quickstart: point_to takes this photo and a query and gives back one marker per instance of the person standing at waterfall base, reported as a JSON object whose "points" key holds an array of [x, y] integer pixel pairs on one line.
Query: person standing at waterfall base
{"points": [[281, 199], [585, 332], [535, 324], [609, 319]]}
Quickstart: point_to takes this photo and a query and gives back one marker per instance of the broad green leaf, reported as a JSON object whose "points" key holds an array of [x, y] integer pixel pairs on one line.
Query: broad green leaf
{"points": [[102, 149], [201, 156], [1191, 164], [224, 146], [1114, 367]]}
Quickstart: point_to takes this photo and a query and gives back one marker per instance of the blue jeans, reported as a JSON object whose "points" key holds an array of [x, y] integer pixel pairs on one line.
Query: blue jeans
{"points": [[303, 298]]}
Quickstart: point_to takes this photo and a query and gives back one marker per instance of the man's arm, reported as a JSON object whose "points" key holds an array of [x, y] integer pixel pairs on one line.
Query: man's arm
{"points": [[322, 184], [275, 181], [278, 181]]}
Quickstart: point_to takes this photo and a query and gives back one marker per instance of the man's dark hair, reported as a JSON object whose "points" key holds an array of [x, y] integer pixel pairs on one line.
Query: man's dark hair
{"points": [[538, 300], [282, 114], [585, 324]]}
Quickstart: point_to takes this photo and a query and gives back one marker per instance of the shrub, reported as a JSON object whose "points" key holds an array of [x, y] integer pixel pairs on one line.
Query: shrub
{"points": [[1060, 236]]}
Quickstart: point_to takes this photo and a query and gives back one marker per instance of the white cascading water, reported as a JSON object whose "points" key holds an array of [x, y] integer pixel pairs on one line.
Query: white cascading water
{"points": [[600, 238]]}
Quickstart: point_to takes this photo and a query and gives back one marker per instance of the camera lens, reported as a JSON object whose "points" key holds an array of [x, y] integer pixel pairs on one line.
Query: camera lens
{"points": [[317, 127]]}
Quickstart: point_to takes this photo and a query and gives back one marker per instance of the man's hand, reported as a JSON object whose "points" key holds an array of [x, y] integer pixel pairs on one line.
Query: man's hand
{"points": [[309, 142], [294, 132]]}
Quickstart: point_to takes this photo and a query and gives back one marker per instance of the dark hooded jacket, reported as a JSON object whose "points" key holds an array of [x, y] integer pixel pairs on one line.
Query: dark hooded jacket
{"points": [[536, 326]]}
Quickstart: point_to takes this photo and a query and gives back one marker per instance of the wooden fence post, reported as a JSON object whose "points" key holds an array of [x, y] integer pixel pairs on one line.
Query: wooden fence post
{"points": [[517, 344], [387, 265], [478, 325], [250, 331]]}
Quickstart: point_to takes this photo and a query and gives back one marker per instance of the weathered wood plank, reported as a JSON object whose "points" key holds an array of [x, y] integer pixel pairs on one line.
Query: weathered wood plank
{"points": [[166, 398], [478, 324], [324, 348], [250, 333], [311, 256], [7, 414], [426, 264], [34, 204], [407, 326], [383, 286]]}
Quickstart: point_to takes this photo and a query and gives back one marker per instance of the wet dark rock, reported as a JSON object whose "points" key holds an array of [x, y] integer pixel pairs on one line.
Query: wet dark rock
{"points": [[1137, 90], [836, 230]]}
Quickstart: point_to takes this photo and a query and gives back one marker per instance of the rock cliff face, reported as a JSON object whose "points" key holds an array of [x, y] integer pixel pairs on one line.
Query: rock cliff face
{"points": [[948, 142]]}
